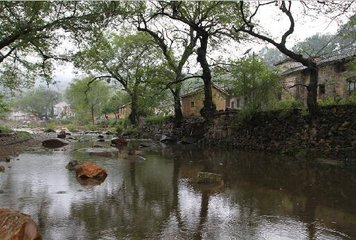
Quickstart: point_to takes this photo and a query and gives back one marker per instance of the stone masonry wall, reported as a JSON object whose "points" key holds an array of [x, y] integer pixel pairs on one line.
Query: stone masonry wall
{"points": [[333, 132]]}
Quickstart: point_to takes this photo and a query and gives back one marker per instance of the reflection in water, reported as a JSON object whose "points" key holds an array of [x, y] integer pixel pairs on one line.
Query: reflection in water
{"points": [[263, 196]]}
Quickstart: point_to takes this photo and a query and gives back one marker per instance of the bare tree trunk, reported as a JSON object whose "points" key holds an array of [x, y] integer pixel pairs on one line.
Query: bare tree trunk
{"points": [[209, 107], [92, 114], [133, 115], [312, 97], [178, 115]]}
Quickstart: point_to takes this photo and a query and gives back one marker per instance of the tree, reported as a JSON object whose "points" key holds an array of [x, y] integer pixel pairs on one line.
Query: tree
{"points": [[3, 106], [176, 43], [39, 101], [87, 100], [328, 45], [252, 79], [211, 21], [118, 99], [250, 27], [132, 61], [30, 32]]}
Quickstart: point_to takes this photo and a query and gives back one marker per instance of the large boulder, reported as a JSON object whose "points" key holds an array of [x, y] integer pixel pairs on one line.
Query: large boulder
{"points": [[54, 143], [90, 170], [17, 226]]}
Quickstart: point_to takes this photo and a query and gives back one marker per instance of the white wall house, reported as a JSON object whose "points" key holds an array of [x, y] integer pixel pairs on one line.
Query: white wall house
{"points": [[62, 110]]}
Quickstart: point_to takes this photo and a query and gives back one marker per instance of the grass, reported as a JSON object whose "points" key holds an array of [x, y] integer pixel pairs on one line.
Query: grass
{"points": [[4, 129]]}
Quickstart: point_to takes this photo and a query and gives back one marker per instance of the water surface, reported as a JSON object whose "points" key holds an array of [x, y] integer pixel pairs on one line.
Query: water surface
{"points": [[263, 196]]}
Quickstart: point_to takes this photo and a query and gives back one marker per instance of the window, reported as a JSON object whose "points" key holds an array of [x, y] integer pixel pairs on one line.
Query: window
{"points": [[232, 105], [321, 89], [351, 86], [192, 104]]}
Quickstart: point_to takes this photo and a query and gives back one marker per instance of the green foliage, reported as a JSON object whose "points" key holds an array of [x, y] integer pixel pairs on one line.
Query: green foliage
{"points": [[30, 28], [349, 99], [119, 124], [286, 104], [133, 61], [87, 98], [157, 119], [118, 99], [23, 134], [3, 106], [5, 129], [51, 125], [252, 79], [246, 114], [131, 132], [39, 101]]}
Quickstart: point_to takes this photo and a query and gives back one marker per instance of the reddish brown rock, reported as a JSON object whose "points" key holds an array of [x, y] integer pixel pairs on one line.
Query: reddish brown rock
{"points": [[17, 226], [90, 170]]}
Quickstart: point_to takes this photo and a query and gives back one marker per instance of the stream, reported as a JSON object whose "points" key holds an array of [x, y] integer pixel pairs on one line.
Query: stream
{"points": [[262, 196]]}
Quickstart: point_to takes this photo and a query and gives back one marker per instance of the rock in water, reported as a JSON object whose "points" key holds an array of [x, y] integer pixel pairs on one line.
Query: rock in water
{"points": [[62, 134], [90, 170], [17, 226], [72, 165], [208, 177], [168, 139], [54, 143]]}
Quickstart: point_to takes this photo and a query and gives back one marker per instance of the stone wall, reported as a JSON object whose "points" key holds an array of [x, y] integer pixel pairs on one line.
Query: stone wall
{"points": [[333, 132]]}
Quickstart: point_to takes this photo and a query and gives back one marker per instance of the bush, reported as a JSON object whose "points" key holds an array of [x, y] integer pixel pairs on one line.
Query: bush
{"points": [[349, 100], [51, 125], [23, 134], [156, 119], [287, 104], [4, 129], [246, 114]]}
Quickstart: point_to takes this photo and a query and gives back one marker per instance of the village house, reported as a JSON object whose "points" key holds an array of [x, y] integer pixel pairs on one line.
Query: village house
{"points": [[22, 116], [337, 78], [193, 102], [62, 110], [124, 111]]}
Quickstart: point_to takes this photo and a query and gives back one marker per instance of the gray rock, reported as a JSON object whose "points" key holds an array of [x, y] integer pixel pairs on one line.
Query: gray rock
{"points": [[71, 165], [168, 139]]}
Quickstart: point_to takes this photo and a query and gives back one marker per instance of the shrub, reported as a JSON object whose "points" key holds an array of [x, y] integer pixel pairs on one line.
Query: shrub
{"points": [[287, 104], [246, 114], [156, 119], [4, 129]]}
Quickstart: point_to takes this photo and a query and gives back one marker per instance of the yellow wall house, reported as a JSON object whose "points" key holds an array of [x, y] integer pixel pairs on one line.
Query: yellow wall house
{"points": [[124, 111], [192, 102]]}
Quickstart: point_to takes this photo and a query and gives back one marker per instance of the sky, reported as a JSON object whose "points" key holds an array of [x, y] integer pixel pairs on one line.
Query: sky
{"points": [[270, 19]]}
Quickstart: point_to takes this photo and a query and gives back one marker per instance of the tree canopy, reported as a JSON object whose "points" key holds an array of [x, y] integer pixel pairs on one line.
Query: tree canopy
{"points": [[88, 101]]}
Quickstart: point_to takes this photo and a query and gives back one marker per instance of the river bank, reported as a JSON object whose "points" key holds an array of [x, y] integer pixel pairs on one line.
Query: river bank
{"points": [[13, 144], [293, 132]]}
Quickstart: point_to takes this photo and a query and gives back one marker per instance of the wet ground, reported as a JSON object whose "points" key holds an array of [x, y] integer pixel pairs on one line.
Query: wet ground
{"points": [[154, 197]]}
